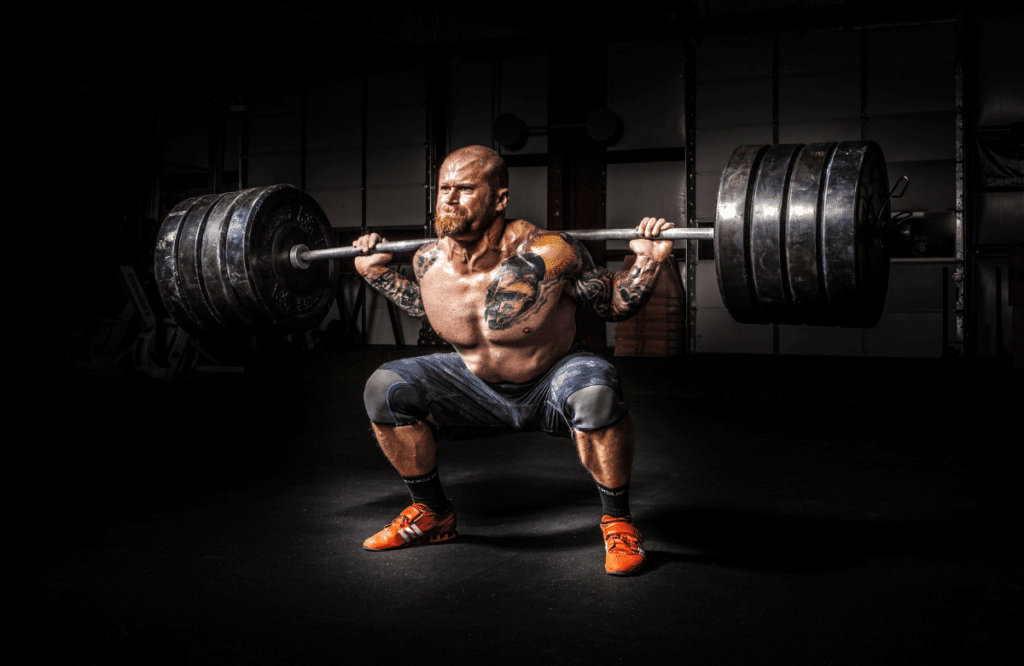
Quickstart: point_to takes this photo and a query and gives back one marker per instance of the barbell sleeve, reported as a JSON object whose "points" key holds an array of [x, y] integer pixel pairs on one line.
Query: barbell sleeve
{"points": [[301, 256]]}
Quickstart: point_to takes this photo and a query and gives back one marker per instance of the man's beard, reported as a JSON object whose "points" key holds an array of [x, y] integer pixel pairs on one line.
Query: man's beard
{"points": [[452, 223]]}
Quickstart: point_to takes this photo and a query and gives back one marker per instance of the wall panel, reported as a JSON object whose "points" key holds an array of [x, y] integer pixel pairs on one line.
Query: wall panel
{"points": [[645, 89], [471, 107], [924, 136], [528, 194], [523, 91], [831, 96]]}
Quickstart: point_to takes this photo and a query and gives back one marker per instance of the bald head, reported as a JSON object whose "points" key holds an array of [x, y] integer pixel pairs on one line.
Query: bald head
{"points": [[492, 163], [472, 193]]}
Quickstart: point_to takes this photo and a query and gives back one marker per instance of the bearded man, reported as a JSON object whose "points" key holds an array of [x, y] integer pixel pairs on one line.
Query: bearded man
{"points": [[504, 293]]}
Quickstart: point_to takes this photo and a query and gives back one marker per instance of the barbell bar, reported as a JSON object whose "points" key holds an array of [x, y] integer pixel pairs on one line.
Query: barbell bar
{"points": [[301, 256], [800, 237]]}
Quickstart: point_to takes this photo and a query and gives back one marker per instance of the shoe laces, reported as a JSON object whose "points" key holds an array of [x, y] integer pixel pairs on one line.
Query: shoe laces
{"points": [[621, 540]]}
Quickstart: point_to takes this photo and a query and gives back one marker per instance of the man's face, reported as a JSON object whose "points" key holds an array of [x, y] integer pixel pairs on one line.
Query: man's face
{"points": [[466, 202]]}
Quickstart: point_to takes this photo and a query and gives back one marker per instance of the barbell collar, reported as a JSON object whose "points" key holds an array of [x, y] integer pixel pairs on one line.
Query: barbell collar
{"points": [[301, 256]]}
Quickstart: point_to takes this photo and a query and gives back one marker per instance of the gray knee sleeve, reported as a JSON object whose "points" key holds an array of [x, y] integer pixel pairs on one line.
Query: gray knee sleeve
{"points": [[389, 400], [595, 407]]}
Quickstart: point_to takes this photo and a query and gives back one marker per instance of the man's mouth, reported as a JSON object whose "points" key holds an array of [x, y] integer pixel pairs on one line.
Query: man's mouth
{"points": [[451, 222]]}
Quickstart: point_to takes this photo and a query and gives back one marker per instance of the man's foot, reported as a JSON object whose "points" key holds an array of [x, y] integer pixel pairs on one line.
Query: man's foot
{"points": [[415, 525], [623, 545]]}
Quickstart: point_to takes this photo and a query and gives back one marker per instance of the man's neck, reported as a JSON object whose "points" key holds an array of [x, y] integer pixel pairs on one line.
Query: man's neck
{"points": [[476, 255]]}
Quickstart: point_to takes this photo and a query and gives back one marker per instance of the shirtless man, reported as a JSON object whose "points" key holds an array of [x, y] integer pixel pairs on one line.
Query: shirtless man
{"points": [[504, 293]]}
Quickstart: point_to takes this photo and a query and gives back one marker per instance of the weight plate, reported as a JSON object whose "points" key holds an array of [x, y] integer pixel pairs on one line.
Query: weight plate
{"points": [[803, 218], [190, 263], [855, 263], [732, 235], [265, 225], [767, 239], [224, 304], [167, 270]]}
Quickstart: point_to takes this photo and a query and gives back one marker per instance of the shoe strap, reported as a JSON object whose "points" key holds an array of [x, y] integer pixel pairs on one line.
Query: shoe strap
{"points": [[409, 516], [622, 532]]}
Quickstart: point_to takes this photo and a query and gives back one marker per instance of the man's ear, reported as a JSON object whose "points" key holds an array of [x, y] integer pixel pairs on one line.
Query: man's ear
{"points": [[502, 201]]}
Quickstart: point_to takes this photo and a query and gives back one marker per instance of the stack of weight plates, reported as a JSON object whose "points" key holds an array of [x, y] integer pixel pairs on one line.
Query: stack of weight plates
{"points": [[800, 234], [223, 265]]}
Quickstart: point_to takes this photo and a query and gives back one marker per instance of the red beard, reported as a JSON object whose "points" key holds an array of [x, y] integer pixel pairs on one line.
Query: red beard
{"points": [[452, 223]]}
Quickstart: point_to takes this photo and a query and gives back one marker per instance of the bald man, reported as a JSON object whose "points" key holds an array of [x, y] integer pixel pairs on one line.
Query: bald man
{"points": [[504, 294]]}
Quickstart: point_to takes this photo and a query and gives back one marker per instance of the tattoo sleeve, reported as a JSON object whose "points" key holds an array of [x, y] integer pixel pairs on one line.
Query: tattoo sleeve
{"points": [[424, 259], [402, 291], [616, 296], [399, 289]]}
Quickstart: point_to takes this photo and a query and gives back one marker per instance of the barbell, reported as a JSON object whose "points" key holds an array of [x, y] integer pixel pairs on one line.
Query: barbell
{"points": [[800, 238]]}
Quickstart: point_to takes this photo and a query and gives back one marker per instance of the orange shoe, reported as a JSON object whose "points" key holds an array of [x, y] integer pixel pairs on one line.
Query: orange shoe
{"points": [[415, 525], [623, 546]]}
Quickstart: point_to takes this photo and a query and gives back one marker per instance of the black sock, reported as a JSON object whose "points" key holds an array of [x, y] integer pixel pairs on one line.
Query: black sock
{"points": [[615, 501], [426, 489]]}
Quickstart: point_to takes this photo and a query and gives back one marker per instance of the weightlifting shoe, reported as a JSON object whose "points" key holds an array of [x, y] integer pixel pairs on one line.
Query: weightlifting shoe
{"points": [[415, 525], [623, 546]]}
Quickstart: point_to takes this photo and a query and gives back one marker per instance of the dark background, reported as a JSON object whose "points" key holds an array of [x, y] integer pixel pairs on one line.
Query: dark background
{"points": [[799, 509]]}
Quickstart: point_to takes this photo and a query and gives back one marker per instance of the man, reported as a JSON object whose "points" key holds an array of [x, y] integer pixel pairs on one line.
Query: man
{"points": [[504, 293]]}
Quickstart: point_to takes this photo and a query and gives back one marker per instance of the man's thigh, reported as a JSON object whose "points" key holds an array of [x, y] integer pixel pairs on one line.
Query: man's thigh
{"points": [[462, 405], [465, 407]]}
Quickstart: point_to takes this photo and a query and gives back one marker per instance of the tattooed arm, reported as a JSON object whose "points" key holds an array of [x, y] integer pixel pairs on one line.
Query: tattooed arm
{"points": [[619, 296], [399, 289]]}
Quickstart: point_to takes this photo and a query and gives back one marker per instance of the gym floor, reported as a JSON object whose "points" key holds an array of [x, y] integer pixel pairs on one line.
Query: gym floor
{"points": [[796, 511]]}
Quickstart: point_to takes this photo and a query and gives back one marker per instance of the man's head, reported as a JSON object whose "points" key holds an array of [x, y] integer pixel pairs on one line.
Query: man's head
{"points": [[472, 192]]}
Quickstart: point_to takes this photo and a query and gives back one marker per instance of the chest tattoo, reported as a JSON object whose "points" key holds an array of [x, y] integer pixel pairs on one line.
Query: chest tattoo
{"points": [[516, 291]]}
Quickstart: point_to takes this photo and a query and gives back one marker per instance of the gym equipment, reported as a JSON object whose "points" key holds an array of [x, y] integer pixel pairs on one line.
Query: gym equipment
{"points": [[222, 261], [800, 234], [800, 238]]}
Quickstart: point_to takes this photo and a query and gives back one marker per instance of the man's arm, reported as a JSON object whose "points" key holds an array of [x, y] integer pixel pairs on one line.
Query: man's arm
{"points": [[399, 289], [619, 296]]}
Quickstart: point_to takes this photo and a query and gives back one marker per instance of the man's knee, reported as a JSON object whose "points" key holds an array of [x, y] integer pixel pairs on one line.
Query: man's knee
{"points": [[595, 407], [390, 400]]}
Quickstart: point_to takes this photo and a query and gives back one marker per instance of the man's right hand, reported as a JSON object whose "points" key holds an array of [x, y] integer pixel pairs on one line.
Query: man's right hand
{"points": [[370, 260]]}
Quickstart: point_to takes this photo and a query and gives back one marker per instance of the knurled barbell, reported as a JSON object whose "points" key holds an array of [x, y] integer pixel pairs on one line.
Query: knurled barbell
{"points": [[799, 237]]}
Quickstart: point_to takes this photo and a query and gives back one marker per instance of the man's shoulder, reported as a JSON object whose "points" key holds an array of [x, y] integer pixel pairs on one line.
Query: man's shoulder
{"points": [[522, 235], [519, 231], [561, 255], [425, 257]]}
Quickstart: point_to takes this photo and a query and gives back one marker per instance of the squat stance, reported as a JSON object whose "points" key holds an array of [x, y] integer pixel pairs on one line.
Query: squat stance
{"points": [[504, 293]]}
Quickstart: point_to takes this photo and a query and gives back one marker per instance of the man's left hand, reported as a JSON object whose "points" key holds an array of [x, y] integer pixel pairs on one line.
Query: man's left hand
{"points": [[649, 228]]}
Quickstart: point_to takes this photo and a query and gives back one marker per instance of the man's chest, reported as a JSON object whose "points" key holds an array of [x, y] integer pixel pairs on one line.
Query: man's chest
{"points": [[514, 292]]}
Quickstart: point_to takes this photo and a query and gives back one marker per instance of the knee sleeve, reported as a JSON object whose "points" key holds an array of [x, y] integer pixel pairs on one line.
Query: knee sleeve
{"points": [[390, 400], [595, 407]]}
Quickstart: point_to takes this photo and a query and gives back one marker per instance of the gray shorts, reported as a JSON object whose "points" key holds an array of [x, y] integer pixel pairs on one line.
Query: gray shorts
{"points": [[466, 407]]}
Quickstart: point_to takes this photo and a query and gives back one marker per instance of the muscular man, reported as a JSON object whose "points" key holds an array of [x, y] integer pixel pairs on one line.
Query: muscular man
{"points": [[504, 294]]}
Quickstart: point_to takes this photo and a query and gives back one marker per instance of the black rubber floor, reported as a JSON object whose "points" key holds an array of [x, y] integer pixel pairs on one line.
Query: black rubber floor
{"points": [[796, 511]]}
